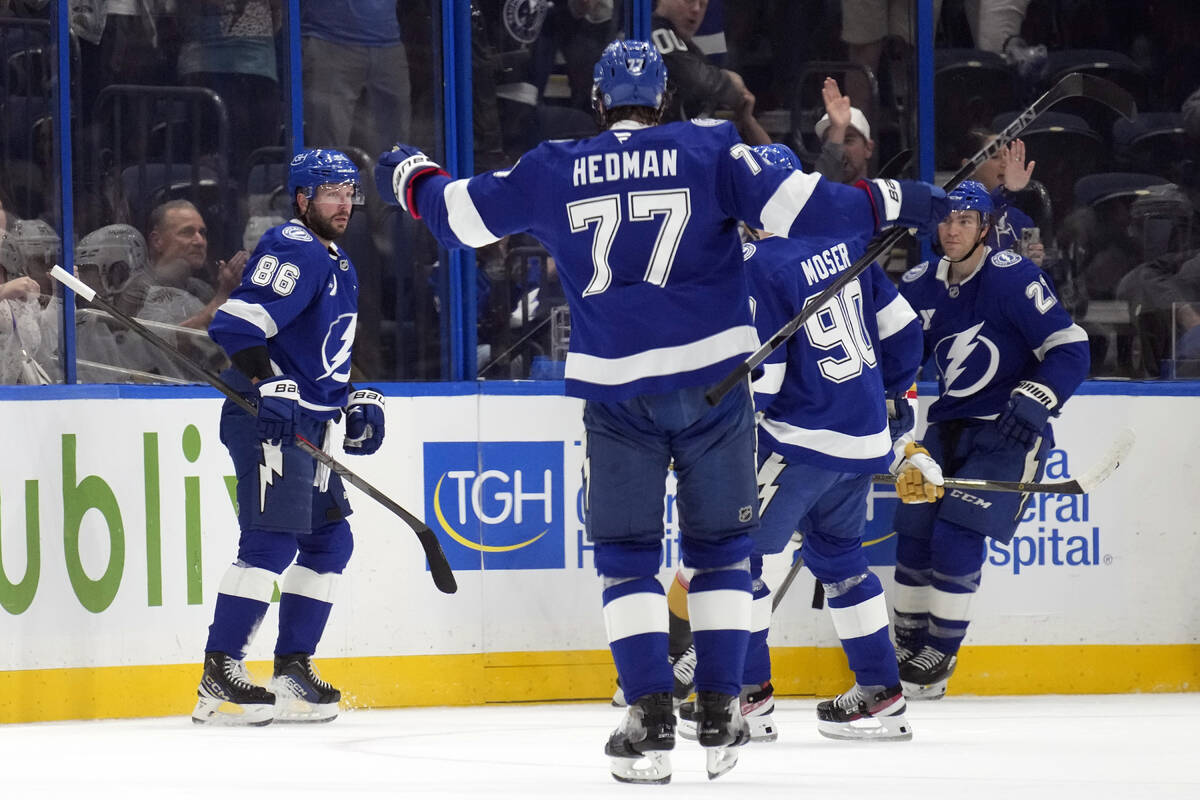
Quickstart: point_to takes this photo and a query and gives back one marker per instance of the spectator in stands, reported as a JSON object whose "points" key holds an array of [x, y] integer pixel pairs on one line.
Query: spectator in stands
{"points": [[865, 26], [30, 248], [229, 47], [994, 23], [846, 145], [356, 81], [26, 350], [699, 88], [1005, 174], [1191, 115], [173, 289]]}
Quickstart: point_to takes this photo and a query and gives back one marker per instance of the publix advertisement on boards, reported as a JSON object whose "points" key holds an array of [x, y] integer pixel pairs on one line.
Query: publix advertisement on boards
{"points": [[117, 520]]}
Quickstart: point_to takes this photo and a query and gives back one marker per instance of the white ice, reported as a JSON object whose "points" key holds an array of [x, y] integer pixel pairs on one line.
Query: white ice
{"points": [[965, 748]]}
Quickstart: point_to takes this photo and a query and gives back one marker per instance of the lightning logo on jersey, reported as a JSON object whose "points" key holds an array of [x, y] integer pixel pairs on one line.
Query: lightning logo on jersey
{"points": [[954, 359], [768, 474], [341, 331]]}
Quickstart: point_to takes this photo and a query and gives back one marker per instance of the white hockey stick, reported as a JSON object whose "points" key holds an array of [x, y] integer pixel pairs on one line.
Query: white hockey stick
{"points": [[1081, 485]]}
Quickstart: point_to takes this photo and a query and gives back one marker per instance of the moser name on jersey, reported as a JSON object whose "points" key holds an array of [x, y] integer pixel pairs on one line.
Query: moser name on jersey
{"points": [[828, 262], [601, 167]]}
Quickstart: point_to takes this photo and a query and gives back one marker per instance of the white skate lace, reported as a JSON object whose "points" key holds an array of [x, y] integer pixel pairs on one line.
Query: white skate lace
{"points": [[928, 658], [850, 699], [903, 653], [235, 673], [685, 666]]}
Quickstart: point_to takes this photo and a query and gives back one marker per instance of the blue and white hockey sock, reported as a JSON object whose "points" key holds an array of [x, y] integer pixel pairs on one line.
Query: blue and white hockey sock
{"points": [[304, 606], [958, 566], [910, 600], [635, 619], [757, 670], [861, 620], [242, 600], [719, 606]]}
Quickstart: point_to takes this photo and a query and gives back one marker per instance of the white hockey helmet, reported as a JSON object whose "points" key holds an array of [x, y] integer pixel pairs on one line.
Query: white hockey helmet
{"points": [[29, 243], [118, 252]]}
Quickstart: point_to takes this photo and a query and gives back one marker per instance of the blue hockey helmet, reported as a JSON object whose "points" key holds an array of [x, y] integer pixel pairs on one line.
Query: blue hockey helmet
{"points": [[777, 155], [312, 168], [629, 73], [972, 196]]}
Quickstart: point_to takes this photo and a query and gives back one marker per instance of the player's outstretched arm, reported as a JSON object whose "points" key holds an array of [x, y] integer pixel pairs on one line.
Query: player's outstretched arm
{"points": [[397, 172], [908, 204]]}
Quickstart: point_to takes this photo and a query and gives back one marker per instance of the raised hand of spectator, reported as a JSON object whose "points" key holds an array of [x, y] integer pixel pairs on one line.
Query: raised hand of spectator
{"points": [[1015, 171], [837, 106], [1036, 252], [19, 288], [229, 273]]}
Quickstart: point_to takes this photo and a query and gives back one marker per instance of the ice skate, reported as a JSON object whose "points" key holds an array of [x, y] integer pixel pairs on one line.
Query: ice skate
{"points": [[857, 715], [228, 697], [300, 693], [758, 703], [926, 675], [684, 667], [639, 749], [721, 730]]}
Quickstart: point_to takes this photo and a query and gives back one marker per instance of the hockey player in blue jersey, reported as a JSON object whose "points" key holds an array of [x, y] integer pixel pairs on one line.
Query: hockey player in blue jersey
{"points": [[288, 330], [642, 222], [824, 430], [1008, 356]]}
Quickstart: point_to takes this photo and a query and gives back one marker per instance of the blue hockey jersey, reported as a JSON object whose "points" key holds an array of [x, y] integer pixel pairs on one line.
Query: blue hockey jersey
{"points": [[643, 225], [1001, 325], [822, 394], [300, 299]]}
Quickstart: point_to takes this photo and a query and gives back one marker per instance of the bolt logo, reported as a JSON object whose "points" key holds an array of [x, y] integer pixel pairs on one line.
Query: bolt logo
{"points": [[497, 505]]}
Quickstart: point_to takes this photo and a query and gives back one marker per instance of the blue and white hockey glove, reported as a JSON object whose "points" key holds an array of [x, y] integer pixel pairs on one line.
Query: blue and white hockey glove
{"points": [[364, 422], [910, 204], [397, 171], [278, 409], [902, 417], [1024, 419]]}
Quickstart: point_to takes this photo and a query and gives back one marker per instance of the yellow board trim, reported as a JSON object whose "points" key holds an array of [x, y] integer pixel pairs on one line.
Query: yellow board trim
{"points": [[475, 679]]}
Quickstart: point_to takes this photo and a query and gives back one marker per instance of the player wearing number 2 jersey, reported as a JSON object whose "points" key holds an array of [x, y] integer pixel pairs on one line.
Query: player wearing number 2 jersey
{"points": [[642, 221]]}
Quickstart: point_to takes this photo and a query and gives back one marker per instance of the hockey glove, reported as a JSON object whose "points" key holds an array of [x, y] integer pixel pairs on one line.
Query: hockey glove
{"points": [[278, 409], [1029, 406], [364, 422], [396, 174], [910, 204], [919, 478], [902, 417]]}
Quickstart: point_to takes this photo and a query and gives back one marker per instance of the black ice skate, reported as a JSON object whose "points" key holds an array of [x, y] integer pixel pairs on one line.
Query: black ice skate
{"points": [[926, 675], [721, 730], [639, 749], [758, 703], [863, 716], [228, 697], [300, 693]]}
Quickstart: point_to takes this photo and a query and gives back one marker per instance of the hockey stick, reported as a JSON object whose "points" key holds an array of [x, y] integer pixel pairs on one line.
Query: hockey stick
{"points": [[1073, 85], [777, 596], [1081, 485], [439, 567]]}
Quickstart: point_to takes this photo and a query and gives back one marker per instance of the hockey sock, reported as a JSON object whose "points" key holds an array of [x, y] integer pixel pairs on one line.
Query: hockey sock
{"points": [[242, 601], [958, 564], [861, 621], [910, 601], [304, 606], [719, 607], [635, 619], [757, 670]]}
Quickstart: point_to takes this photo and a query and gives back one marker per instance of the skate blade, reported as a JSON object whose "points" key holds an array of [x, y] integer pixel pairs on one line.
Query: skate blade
{"points": [[917, 691], [719, 760], [294, 710], [686, 728], [870, 729], [654, 766], [214, 711], [762, 729]]}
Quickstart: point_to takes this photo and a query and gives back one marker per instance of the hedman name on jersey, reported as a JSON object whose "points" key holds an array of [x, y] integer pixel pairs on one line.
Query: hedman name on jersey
{"points": [[601, 167]]}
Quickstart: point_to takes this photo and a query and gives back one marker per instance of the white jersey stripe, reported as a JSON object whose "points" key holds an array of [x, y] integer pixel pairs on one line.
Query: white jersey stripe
{"points": [[736, 341], [464, 218], [861, 619], [1074, 333], [788, 201], [253, 313], [635, 614], [771, 380], [830, 443], [894, 317]]}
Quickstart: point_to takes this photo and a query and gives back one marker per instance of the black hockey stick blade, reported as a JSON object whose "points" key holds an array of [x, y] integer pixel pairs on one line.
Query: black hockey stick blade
{"points": [[788, 580], [1089, 480], [896, 164], [1074, 84], [439, 567]]}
